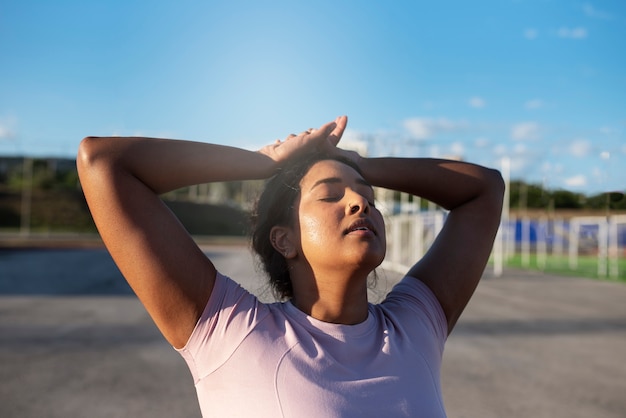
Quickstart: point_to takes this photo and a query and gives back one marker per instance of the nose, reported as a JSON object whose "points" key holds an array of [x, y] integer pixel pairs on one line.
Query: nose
{"points": [[358, 204]]}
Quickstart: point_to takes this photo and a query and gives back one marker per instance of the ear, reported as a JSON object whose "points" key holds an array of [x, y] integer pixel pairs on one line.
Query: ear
{"points": [[280, 237]]}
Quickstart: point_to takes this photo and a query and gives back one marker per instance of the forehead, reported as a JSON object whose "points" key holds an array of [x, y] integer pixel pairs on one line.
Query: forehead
{"points": [[330, 169]]}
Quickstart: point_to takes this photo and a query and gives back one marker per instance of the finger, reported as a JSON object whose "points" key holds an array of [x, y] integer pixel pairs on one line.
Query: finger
{"points": [[320, 136], [339, 129], [312, 136], [326, 129]]}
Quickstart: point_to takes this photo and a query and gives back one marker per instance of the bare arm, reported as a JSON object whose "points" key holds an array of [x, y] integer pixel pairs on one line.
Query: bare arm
{"points": [[122, 178], [473, 194]]}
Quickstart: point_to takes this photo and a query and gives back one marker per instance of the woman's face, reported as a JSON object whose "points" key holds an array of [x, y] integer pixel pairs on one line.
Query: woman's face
{"points": [[338, 225]]}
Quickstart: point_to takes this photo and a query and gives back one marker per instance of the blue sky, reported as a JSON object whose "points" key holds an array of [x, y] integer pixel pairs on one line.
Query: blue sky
{"points": [[541, 82]]}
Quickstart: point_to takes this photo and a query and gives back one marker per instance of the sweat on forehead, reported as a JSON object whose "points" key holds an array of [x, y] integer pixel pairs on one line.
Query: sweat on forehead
{"points": [[303, 166]]}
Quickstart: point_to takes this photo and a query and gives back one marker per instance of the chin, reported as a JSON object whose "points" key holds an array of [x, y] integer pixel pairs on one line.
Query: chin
{"points": [[371, 259]]}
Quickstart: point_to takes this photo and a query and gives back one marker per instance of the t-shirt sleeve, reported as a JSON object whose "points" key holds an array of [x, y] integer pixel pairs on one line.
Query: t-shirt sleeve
{"points": [[229, 316], [414, 297]]}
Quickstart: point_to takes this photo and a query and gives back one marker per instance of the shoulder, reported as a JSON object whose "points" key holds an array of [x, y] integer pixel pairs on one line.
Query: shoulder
{"points": [[412, 301], [230, 313]]}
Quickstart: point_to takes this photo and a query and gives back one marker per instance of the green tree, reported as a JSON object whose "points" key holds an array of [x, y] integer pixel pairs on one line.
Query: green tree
{"points": [[564, 199]]}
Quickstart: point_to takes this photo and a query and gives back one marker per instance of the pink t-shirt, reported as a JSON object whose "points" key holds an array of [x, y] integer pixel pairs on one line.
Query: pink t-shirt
{"points": [[250, 359]]}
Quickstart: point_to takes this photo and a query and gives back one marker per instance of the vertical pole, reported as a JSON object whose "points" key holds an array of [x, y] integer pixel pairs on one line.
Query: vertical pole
{"points": [[613, 249], [523, 204], [573, 244], [525, 241], [419, 232], [558, 237], [603, 236], [498, 248], [404, 203], [27, 195], [542, 242], [396, 239]]}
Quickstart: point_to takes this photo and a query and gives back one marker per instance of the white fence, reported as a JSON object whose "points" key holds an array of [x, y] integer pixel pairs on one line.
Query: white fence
{"points": [[409, 235], [607, 238]]}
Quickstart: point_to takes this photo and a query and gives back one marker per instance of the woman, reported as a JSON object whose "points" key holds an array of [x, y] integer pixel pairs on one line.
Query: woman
{"points": [[325, 352]]}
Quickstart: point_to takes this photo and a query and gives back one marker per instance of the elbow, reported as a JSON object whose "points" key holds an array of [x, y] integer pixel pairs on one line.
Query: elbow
{"points": [[91, 153], [86, 151], [92, 149], [84, 161], [496, 183], [495, 188]]}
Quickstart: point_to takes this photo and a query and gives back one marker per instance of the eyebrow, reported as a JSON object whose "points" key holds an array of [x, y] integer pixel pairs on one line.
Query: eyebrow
{"points": [[334, 180]]}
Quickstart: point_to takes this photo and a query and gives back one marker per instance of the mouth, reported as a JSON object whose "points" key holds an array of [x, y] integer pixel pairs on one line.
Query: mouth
{"points": [[360, 226]]}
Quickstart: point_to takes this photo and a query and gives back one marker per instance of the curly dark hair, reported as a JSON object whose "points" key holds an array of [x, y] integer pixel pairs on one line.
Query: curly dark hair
{"points": [[275, 206]]}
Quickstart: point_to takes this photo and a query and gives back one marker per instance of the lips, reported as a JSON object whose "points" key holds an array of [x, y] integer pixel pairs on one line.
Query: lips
{"points": [[361, 225]]}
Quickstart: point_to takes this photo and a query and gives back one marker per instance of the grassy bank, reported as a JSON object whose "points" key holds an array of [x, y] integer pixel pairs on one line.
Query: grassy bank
{"points": [[587, 266], [65, 211]]}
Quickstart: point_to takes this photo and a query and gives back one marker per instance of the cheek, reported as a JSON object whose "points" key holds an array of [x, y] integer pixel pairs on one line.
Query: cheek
{"points": [[381, 227], [312, 230]]}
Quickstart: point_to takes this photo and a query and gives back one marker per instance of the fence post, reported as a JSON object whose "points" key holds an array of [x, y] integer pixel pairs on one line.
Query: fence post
{"points": [[573, 244], [525, 241], [497, 253], [542, 242], [614, 252]]}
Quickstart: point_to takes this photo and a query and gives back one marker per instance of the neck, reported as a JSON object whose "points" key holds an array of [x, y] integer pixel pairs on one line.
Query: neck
{"points": [[332, 298]]}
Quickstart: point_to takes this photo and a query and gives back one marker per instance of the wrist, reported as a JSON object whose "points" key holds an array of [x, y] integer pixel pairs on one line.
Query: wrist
{"points": [[269, 163]]}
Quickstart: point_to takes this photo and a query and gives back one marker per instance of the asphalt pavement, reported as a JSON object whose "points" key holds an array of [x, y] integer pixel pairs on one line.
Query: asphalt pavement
{"points": [[75, 342]]}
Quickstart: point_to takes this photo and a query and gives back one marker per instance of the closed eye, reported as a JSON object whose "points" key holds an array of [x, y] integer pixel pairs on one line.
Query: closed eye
{"points": [[330, 199], [371, 203]]}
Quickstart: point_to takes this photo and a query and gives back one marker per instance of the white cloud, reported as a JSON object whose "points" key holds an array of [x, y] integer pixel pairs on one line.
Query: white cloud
{"points": [[350, 135], [549, 167], [598, 173], [481, 142], [525, 131], [477, 102], [580, 148], [546, 166], [591, 11], [572, 33], [500, 150], [578, 180], [531, 33], [457, 149], [520, 148], [435, 151], [559, 168], [4, 132], [426, 128], [355, 141], [7, 128], [608, 130], [519, 164], [533, 104]]}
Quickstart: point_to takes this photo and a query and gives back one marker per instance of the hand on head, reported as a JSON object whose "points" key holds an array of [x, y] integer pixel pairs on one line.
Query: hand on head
{"points": [[324, 139]]}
